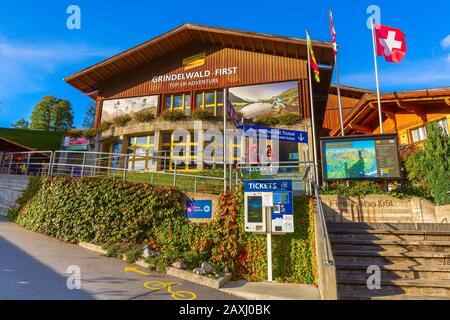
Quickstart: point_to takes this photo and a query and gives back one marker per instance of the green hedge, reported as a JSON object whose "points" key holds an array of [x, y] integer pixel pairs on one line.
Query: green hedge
{"points": [[105, 212]]}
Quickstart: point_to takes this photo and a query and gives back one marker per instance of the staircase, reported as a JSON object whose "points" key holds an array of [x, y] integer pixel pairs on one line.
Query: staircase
{"points": [[414, 260]]}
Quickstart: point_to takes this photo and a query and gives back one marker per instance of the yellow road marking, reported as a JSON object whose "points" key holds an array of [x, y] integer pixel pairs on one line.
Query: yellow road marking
{"points": [[136, 270], [176, 295]]}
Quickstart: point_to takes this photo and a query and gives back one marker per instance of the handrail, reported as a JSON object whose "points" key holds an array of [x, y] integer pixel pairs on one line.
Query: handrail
{"points": [[327, 244]]}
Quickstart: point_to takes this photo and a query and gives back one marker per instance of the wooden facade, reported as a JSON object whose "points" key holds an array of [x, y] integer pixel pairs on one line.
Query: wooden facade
{"points": [[403, 113], [256, 58], [350, 97]]}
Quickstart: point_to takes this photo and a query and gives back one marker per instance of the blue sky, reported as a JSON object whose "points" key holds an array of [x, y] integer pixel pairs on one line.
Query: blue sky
{"points": [[37, 50]]}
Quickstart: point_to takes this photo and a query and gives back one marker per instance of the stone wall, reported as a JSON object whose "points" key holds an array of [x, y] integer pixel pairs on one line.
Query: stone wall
{"points": [[383, 209], [10, 189]]}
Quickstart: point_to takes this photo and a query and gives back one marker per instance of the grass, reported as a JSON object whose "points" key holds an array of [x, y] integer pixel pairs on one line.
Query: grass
{"points": [[40, 140], [184, 183]]}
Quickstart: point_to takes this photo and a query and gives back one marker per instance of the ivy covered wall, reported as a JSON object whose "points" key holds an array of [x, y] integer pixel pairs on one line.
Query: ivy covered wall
{"points": [[105, 212]]}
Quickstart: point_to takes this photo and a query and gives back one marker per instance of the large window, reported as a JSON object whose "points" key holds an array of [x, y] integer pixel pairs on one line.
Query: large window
{"points": [[211, 100], [184, 162], [419, 134], [180, 102], [141, 151]]}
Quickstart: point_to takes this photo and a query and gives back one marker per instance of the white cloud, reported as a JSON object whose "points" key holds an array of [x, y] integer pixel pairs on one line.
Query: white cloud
{"points": [[25, 67], [445, 43], [434, 72]]}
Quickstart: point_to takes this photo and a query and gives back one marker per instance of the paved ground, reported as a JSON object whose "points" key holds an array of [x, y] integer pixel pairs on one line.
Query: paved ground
{"points": [[35, 267], [272, 291]]}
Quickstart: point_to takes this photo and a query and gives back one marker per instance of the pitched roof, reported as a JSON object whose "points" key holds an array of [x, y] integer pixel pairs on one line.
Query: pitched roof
{"points": [[367, 105], [88, 80]]}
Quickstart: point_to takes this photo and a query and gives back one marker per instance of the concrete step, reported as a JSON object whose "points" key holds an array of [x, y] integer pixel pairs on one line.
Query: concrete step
{"points": [[392, 245], [418, 287], [374, 257], [407, 235], [390, 226], [395, 271], [350, 295]]}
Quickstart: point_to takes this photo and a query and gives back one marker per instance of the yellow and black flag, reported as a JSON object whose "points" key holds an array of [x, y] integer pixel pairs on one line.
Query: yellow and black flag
{"points": [[312, 60]]}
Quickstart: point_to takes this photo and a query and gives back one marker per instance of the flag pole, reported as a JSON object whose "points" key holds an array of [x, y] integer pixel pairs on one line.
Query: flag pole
{"points": [[376, 76], [341, 116], [316, 166], [225, 101]]}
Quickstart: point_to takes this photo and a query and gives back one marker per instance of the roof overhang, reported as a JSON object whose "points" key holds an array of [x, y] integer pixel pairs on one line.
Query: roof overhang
{"points": [[90, 79], [367, 108]]}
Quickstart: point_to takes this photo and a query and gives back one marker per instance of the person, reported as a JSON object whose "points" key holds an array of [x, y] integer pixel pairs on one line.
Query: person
{"points": [[269, 153]]}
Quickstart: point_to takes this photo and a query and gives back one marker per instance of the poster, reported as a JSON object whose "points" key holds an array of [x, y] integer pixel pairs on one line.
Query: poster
{"points": [[266, 99], [114, 108]]}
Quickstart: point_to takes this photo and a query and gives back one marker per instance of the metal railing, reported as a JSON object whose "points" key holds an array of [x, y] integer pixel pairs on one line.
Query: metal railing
{"points": [[329, 261], [35, 163], [162, 170]]}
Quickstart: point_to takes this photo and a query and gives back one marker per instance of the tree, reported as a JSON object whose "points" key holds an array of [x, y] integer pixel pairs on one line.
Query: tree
{"points": [[89, 118], [52, 114], [437, 163], [428, 168], [21, 124]]}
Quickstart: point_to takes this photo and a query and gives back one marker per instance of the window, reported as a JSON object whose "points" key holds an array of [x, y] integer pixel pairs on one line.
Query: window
{"points": [[444, 125], [211, 100], [141, 151], [180, 102], [419, 134]]}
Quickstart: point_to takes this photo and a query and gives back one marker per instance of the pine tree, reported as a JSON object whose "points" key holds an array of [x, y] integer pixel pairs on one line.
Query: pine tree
{"points": [[89, 119], [21, 124]]}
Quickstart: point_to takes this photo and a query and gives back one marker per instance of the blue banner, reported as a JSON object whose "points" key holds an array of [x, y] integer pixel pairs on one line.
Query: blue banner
{"points": [[276, 134], [199, 209], [267, 185]]}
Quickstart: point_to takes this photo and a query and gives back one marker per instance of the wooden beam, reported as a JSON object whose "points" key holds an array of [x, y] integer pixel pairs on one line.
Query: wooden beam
{"points": [[363, 129], [414, 109]]}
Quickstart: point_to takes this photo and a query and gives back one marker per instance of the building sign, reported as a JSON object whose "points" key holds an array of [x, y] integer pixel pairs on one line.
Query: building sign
{"points": [[76, 144], [373, 157], [266, 99], [199, 209], [193, 62], [118, 107], [276, 134], [267, 185]]}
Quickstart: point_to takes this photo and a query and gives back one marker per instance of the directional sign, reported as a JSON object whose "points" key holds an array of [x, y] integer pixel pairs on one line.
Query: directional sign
{"points": [[199, 209], [276, 134]]}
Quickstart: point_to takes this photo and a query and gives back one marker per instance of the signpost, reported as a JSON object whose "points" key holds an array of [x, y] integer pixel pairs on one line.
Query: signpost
{"points": [[269, 208]]}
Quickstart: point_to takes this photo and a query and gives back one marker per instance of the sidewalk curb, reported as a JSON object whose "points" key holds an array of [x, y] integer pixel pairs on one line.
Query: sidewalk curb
{"points": [[253, 296], [93, 247], [103, 252], [181, 274], [198, 279]]}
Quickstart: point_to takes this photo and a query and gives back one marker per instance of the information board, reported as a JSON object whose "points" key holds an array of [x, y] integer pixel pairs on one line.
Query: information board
{"points": [[373, 157]]}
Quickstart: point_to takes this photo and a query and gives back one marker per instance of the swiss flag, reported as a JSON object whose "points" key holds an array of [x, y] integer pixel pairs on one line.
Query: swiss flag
{"points": [[390, 42]]}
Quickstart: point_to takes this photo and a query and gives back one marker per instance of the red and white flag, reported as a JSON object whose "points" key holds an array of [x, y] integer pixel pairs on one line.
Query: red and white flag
{"points": [[391, 43], [333, 34]]}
